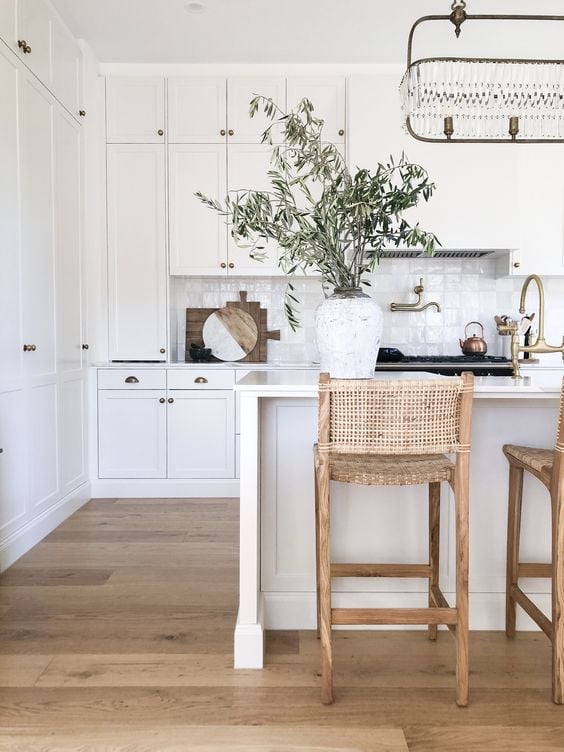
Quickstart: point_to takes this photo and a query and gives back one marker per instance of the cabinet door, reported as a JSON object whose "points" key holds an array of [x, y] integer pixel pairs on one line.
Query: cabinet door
{"points": [[38, 270], [66, 67], [201, 434], [8, 21], [247, 168], [198, 235], [328, 96], [43, 436], [135, 110], [240, 91], [67, 193], [196, 110], [34, 26], [14, 463], [132, 434], [10, 315], [137, 252]]}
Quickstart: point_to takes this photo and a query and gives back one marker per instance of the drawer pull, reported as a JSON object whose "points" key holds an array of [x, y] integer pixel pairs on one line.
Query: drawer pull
{"points": [[132, 380], [200, 380]]}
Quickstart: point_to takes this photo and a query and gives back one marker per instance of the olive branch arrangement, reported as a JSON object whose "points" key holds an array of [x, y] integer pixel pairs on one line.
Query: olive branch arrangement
{"points": [[319, 214]]}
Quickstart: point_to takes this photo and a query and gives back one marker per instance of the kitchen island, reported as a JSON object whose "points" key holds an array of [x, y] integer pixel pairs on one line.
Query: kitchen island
{"points": [[277, 554]]}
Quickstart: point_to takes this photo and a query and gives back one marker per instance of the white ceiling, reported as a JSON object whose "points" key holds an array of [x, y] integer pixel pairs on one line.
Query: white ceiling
{"points": [[263, 31]]}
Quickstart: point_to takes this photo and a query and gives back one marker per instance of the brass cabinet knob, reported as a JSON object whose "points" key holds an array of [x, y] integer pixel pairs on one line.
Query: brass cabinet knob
{"points": [[200, 380], [223, 265], [341, 132], [24, 46], [28, 348], [85, 347], [82, 113], [231, 265], [170, 400], [231, 132], [517, 264], [162, 400], [222, 132], [132, 380], [160, 132], [162, 351]]}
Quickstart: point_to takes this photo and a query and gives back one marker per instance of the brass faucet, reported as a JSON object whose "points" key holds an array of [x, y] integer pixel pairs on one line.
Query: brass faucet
{"points": [[418, 305], [540, 345]]}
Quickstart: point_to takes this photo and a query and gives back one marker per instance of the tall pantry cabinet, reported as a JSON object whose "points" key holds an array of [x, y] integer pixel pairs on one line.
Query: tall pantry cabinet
{"points": [[42, 360]]}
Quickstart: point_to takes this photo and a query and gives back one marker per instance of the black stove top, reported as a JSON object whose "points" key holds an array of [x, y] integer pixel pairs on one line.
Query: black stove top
{"points": [[391, 359], [489, 359]]}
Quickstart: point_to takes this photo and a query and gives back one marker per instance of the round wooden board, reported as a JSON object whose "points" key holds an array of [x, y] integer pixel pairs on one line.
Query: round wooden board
{"points": [[231, 333]]}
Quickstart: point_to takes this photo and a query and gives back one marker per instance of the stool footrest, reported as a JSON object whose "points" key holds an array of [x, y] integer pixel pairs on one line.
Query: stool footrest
{"points": [[535, 570], [380, 570], [368, 616], [532, 610]]}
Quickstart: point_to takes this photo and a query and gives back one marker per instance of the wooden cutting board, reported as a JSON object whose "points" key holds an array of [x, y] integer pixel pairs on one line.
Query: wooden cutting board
{"points": [[196, 317]]}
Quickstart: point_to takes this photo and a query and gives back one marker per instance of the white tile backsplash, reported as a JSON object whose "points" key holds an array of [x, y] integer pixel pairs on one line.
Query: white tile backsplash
{"points": [[465, 289]]}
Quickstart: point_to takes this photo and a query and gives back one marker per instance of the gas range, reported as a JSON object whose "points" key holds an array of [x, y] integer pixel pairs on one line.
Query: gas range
{"points": [[390, 359]]}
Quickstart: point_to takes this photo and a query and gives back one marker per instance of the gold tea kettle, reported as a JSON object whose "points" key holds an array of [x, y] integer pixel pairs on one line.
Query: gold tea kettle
{"points": [[473, 345]]}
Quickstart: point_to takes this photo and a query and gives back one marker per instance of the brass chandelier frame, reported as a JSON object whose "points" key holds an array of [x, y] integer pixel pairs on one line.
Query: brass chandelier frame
{"points": [[457, 17]]}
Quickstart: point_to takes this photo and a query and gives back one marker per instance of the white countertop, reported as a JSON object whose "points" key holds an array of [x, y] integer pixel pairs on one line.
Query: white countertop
{"points": [[242, 366], [305, 384]]}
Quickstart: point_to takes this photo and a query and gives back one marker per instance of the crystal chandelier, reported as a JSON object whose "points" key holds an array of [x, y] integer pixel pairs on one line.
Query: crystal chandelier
{"points": [[476, 99]]}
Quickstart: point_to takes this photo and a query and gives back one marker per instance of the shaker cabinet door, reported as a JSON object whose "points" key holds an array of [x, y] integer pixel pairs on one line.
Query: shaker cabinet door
{"points": [[197, 110], [328, 96], [135, 110], [8, 22], [242, 129], [34, 27], [66, 67]]}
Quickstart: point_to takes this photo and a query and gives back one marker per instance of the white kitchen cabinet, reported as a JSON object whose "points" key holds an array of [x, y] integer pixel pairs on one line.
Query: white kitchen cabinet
{"points": [[42, 428], [66, 66], [247, 168], [474, 204], [132, 433], [197, 110], [135, 110], [197, 234], [201, 434], [8, 21], [38, 268], [328, 96], [34, 28], [10, 291], [243, 129], [14, 465], [137, 281]]}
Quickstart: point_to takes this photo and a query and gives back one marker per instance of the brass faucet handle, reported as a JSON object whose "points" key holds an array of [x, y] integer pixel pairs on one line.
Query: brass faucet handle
{"points": [[418, 289]]}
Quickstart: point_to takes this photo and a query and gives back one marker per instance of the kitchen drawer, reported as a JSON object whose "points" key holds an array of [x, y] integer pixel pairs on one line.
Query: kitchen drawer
{"points": [[131, 378], [200, 378]]}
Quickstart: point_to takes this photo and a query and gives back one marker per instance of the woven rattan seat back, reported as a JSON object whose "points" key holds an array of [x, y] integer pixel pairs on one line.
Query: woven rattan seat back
{"points": [[559, 447], [374, 416]]}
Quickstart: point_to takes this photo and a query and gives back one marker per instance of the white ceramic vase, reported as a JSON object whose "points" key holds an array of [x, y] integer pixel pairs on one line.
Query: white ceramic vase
{"points": [[349, 331]]}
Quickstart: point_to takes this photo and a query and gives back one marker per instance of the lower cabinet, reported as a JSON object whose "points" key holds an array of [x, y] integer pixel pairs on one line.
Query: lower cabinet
{"points": [[172, 432]]}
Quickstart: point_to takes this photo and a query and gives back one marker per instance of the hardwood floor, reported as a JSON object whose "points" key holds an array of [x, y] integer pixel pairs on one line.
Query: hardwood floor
{"points": [[116, 634]]}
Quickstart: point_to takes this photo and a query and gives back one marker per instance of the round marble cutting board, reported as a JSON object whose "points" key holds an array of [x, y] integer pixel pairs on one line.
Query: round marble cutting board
{"points": [[231, 333]]}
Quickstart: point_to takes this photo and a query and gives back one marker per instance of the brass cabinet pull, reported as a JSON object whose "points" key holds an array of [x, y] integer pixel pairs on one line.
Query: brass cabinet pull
{"points": [[162, 400], [29, 348], [82, 113], [200, 380], [231, 132], [85, 347], [341, 132], [223, 265], [132, 380], [231, 265], [222, 132], [24, 46], [162, 351], [517, 264], [170, 400], [160, 132]]}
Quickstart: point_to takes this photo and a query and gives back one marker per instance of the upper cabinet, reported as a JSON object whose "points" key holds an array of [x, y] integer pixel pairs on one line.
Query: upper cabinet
{"points": [[328, 96], [66, 59], [197, 110], [135, 110], [34, 37], [8, 21], [242, 129]]}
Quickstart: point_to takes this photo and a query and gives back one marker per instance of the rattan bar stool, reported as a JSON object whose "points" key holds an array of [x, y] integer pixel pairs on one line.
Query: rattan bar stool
{"points": [[395, 433], [548, 466]]}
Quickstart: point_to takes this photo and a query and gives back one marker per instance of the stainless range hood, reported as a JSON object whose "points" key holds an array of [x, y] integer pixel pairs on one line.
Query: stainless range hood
{"points": [[442, 253]]}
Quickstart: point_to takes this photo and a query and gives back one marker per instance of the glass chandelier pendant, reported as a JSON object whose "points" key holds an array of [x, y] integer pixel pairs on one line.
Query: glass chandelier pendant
{"points": [[474, 99]]}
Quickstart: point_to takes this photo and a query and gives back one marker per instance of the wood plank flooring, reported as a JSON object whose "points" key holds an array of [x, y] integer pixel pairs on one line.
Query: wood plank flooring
{"points": [[116, 634]]}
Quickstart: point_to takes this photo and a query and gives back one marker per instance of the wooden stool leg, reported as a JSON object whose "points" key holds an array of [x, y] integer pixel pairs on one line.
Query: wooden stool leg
{"points": [[434, 537], [461, 504], [317, 550], [515, 504], [557, 494], [325, 584]]}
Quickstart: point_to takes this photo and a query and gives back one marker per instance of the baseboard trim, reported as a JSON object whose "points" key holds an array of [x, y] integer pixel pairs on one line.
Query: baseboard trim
{"points": [[30, 534], [298, 610], [151, 488]]}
